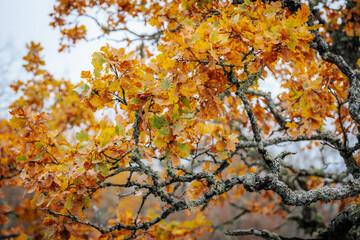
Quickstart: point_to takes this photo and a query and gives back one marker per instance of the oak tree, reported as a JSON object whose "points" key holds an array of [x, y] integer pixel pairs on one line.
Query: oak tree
{"points": [[194, 126]]}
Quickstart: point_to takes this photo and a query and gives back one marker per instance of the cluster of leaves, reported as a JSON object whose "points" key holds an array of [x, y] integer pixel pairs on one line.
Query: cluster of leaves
{"points": [[192, 125]]}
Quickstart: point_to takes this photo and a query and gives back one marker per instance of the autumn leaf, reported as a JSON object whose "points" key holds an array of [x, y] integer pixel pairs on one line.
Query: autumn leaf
{"points": [[21, 158], [165, 83], [231, 142], [187, 122], [186, 102], [39, 145], [81, 136], [102, 169], [82, 90], [158, 122], [98, 61], [17, 123], [69, 202], [183, 150], [159, 142], [48, 221], [5, 208], [86, 202]]}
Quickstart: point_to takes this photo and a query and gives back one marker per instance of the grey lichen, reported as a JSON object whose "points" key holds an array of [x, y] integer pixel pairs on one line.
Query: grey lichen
{"points": [[137, 153]]}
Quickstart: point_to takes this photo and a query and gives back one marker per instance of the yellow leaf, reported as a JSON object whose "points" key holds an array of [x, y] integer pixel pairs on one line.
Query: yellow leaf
{"points": [[222, 154], [159, 142], [17, 123], [291, 125], [22, 237], [231, 142], [207, 166], [95, 101], [86, 74], [106, 135], [180, 172], [183, 150]]}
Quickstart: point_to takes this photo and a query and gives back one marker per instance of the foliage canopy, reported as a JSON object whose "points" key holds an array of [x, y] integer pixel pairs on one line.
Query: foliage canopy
{"points": [[193, 127]]}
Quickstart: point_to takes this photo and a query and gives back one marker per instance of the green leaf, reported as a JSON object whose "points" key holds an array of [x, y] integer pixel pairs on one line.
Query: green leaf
{"points": [[292, 45], [164, 132], [194, 38], [103, 169], [305, 85], [39, 157], [189, 23], [159, 142], [97, 61], [213, 37], [186, 102], [106, 135], [119, 130], [77, 181], [135, 100], [187, 115], [83, 147], [165, 84], [64, 149], [222, 154], [21, 158], [81, 136], [158, 122], [186, 4], [175, 111], [68, 202], [87, 202], [243, 8], [183, 150], [39, 145], [82, 90]]}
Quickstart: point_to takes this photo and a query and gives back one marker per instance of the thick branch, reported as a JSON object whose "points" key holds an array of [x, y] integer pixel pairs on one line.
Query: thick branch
{"points": [[343, 222], [328, 137], [9, 236], [265, 234]]}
